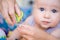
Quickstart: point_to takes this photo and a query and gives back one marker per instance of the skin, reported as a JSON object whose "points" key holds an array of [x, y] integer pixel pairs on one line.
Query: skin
{"points": [[46, 18], [56, 33], [37, 32], [47, 15], [8, 9]]}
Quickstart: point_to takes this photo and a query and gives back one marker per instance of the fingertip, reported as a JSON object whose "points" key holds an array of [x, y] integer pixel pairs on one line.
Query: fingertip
{"points": [[12, 24], [17, 10]]}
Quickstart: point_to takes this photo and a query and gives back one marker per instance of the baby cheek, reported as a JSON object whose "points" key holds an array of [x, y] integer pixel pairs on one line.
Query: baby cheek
{"points": [[54, 22]]}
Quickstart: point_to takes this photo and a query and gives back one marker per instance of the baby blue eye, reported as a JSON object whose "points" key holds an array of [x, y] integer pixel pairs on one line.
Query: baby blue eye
{"points": [[42, 9], [54, 11]]}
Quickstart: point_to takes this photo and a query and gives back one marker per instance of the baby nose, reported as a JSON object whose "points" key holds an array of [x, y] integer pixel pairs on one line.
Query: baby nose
{"points": [[47, 15]]}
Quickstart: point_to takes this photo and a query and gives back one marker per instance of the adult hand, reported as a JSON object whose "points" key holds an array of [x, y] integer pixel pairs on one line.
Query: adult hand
{"points": [[34, 33], [8, 8], [31, 33]]}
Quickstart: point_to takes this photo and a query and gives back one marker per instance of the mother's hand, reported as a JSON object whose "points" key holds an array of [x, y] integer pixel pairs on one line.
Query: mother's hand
{"points": [[8, 8], [34, 33]]}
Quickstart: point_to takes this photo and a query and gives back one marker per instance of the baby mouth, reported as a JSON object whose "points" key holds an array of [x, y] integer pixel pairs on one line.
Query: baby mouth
{"points": [[45, 22]]}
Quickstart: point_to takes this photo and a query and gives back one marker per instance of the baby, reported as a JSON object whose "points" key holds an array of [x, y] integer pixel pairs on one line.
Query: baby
{"points": [[46, 16]]}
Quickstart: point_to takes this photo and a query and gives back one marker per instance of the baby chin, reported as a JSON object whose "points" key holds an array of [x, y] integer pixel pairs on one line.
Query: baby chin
{"points": [[45, 26]]}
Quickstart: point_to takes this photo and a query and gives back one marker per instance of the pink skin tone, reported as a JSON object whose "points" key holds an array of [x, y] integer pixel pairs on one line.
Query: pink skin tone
{"points": [[8, 8], [46, 14]]}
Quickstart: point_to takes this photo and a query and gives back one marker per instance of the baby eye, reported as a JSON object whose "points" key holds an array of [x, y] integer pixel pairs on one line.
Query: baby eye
{"points": [[42, 9], [54, 11]]}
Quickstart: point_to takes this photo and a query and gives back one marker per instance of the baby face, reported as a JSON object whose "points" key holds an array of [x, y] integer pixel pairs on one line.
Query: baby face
{"points": [[46, 13]]}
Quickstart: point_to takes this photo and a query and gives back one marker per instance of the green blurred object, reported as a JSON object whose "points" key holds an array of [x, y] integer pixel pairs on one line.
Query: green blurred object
{"points": [[19, 18]]}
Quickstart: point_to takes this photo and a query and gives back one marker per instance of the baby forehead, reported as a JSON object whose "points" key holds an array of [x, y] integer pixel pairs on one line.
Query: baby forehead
{"points": [[48, 1]]}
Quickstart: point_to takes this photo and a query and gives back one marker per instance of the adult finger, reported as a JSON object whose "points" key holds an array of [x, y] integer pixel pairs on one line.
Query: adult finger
{"points": [[11, 4], [4, 11], [18, 11]]}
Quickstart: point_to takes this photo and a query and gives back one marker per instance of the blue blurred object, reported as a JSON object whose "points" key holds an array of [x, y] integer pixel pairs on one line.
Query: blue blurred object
{"points": [[2, 38], [4, 25], [27, 12], [12, 27]]}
